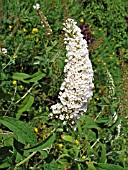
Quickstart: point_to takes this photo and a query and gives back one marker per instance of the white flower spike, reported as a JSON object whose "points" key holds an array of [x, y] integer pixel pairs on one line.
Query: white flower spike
{"points": [[76, 89]]}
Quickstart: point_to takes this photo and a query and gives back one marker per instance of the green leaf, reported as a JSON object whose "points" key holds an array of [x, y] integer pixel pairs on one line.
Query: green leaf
{"points": [[44, 153], [36, 76], [21, 131], [79, 129], [93, 126], [65, 155], [5, 165], [102, 120], [18, 157], [62, 163], [103, 154], [109, 167], [54, 43], [7, 138], [21, 77], [53, 165], [91, 135], [49, 48], [89, 120], [25, 105], [46, 166], [43, 145], [39, 58], [91, 166], [68, 138], [106, 100], [26, 78], [49, 72], [60, 64]]}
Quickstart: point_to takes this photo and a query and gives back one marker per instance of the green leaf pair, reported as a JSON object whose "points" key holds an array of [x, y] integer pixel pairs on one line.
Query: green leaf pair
{"points": [[26, 78]]}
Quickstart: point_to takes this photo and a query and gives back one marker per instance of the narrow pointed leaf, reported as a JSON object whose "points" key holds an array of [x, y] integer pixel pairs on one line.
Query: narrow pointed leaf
{"points": [[37, 76], [25, 105], [43, 145], [103, 154], [21, 77]]}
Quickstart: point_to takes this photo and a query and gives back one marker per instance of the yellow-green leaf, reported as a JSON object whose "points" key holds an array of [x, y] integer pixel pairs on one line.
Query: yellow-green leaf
{"points": [[68, 138]]}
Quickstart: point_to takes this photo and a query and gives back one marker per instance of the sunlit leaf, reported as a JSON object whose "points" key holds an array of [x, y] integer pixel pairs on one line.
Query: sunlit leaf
{"points": [[21, 131], [21, 77], [68, 138]]}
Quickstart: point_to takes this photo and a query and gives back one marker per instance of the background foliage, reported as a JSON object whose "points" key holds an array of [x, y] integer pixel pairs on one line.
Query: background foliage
{"points": [[31, 74]]}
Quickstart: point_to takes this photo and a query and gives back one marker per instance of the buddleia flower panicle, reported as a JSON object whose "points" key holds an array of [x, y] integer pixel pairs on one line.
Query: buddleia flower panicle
{"points": [[76, 90]]}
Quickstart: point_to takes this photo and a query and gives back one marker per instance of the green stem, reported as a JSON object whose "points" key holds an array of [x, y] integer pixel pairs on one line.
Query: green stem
{"points": [[25, 94], [13, 55], [26, 159], [95, 142]]}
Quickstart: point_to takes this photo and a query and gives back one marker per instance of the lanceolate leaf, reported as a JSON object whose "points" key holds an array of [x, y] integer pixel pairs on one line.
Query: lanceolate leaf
{"points": [[103, 154], [68, 138], [25, 105], [21, 131], [102, 166], [37, 76], [43, 145], [21, 77], [106, 100], [26, 78]]}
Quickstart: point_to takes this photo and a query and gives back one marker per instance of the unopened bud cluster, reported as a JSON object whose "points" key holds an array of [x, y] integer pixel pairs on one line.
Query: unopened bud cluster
{"points": [[43, 18], [76, 90], [111, 85]]}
